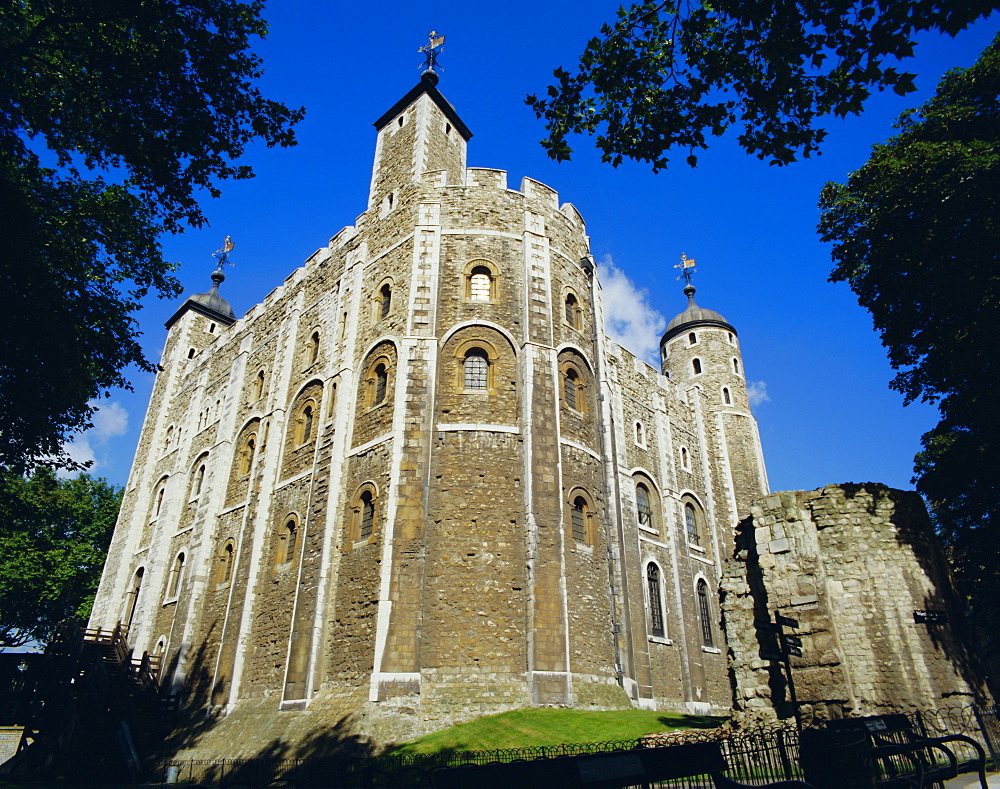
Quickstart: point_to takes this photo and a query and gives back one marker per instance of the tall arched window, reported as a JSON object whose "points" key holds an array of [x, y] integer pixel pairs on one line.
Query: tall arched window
{"points": [[176, 572], [571, 388], [258, 385], [736, 366], [704, 614], [199, 480], [685, 459], [696, 366], [643, 509], [572, 307], [367, 515], [381, 382], [476, 369], [655, 604], [314, 347], [286, 542], [726, 398], [691, 523], [692, 338], [225, 567], [159, 502], [304, 423], [246, 454], [480, 284], [385, 301], [132, 598], [640, 437]]}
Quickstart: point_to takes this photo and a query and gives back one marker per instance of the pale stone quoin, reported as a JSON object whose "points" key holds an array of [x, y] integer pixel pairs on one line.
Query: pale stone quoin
{"points": [[418, 483]]}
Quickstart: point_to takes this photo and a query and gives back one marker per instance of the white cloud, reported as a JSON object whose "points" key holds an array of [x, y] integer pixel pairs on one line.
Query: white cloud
{"points": [[757, 392], [629, 318], [110, 420]]}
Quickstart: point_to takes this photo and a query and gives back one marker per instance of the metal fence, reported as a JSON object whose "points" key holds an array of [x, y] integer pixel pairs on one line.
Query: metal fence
{"points": [[755, 755]]}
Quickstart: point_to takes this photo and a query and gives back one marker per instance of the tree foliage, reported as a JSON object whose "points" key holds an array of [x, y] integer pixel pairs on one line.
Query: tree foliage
{"points": [[54, 538], [669, 74], [916, 234], [115, 116]]}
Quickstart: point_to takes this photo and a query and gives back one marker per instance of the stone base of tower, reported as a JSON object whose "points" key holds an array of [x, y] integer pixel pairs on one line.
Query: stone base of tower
{"points": [[344, 720]]}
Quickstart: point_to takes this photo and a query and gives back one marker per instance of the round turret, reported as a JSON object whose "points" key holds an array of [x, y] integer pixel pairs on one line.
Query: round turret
{"points": [[700, 347]]}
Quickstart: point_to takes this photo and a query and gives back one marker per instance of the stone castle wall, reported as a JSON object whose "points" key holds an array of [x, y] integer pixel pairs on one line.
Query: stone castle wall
{"points": [[850, 564]]}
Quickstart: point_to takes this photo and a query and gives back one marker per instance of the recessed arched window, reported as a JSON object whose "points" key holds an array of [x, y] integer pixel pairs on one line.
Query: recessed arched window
{"points": [[159, 502], [732, 340], [640, 437], [381, 382], [736, 366], [385, 301], [704, 614], [582, 518], [691, 524], [304, 423], [571, 388], [258, 385], [132, 597], [314, 347], [655, 602], [476, 369], [285, 551], [367, 515], [224, 570], [170, 438], [176, 573], [246, 454], [199, 480], [191, 353], [692, 338], [642, 506], [696, 366], [685, 459], [480, 284], [572, 307], [726, 398]]}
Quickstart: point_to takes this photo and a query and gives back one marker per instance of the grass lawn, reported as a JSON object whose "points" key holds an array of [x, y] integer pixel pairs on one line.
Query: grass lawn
{"points": [[546, 726]]}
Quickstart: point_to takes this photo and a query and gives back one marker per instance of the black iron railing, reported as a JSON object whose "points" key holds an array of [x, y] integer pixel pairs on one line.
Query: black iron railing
{"points": [[755, 755]]}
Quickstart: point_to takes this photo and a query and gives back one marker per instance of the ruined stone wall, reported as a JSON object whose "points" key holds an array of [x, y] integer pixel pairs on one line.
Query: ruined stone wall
{"points": [[850, 564]]}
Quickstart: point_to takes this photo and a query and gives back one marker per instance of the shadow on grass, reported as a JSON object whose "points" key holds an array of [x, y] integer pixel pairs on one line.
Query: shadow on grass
{"points": [[691, 721]]}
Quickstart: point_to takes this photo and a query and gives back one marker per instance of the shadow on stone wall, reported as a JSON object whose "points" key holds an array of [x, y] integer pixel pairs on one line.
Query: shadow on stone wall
{"points": [[955, 637]]}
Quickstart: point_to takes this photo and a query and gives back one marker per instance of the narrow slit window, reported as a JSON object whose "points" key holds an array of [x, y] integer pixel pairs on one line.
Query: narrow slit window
{"points": [[367, 515], [655, 603], [174, 583], [579, 519], [726, 398], [571, 389], [696, 366], [314, 347], [704, 614], [381, 382], [736, 366], [385, 301]]}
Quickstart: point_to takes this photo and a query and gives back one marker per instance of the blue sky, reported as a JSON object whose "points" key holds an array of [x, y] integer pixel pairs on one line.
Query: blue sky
{"points": [[825, 411]]}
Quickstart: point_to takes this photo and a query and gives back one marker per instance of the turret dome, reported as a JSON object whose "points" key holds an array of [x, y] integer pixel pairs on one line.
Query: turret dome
{"points": [[694, 316]]}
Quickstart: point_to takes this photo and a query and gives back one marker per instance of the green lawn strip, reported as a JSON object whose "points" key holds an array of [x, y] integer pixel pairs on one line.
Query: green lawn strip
{"points": [[546, 726]]}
